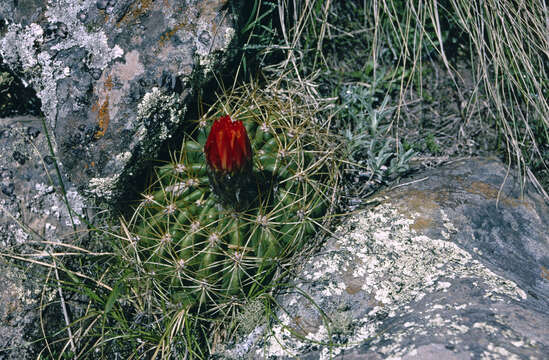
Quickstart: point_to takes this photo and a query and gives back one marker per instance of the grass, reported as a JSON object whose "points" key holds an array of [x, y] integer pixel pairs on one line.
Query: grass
{"points": [[404, 85], [509, 55]]}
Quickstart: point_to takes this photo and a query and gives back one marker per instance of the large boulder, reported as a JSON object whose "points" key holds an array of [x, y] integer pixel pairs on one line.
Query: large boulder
{"points": [[114, 77], [451, 264]]}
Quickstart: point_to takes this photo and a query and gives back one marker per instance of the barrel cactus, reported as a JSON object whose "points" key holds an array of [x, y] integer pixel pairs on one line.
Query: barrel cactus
{"points": [[246, 190]]}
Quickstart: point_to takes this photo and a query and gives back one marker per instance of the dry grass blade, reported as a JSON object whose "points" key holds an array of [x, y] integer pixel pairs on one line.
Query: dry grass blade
{"points": [[511, 47]]}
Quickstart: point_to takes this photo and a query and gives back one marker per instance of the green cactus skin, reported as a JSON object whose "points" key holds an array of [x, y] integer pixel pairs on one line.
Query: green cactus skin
{"points": [[201, 252]]}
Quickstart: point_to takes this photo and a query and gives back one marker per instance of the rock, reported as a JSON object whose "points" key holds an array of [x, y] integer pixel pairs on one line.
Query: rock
{"points": [[31, 199], [32, 210], [106, 71], [18, 299], [451, 265]]}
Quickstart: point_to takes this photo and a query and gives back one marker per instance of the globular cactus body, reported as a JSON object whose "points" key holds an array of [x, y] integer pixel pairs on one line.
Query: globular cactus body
{"points": [[199, 247]]}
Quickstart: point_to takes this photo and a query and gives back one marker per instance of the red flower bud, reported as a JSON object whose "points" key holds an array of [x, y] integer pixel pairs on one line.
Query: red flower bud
{"points": [[228, 148]]}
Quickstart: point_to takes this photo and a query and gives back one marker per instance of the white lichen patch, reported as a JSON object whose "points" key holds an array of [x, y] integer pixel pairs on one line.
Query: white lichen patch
{"points": [[103, 187], [46, 202], [14, 296], [149, 102], [76, 204], [485, 327], [95, 42], [156, 99], [228, 36], [21, 236], [27, 37], [394, 266], [118, 162], [22, 46], [447, 223], [280, 337], [497, 353], [152, 103]]}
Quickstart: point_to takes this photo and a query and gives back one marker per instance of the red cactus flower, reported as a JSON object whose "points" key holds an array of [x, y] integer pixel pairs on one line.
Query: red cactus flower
{"points": [[228, 148]]}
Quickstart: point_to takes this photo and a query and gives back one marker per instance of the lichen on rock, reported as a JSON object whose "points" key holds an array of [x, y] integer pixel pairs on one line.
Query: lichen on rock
{"points": [[389, 284], [92, 65]]}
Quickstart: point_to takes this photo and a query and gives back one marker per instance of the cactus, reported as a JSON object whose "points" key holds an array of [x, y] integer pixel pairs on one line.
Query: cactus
{"points": [[207, 232]]}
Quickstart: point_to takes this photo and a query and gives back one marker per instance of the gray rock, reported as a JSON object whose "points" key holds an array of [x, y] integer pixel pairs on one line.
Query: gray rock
{"points": [[32, 206], [453, 265], [94, 63], [15, 97], [114, 79], [18, 301], [34, 217]]}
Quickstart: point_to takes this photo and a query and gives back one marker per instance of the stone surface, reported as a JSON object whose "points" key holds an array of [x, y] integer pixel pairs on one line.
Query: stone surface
{"points": [[452, 265], [105, 71], [15, 97], [18, 301], [31, 202], [33, 211]]}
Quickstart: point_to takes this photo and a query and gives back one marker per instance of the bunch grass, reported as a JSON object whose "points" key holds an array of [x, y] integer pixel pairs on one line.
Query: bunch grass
{"points": [[510, 56]]}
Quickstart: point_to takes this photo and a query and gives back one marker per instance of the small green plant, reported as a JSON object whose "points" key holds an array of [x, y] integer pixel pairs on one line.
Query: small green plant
{"points": [[431, 144], [259, 33], [370, 146]]}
